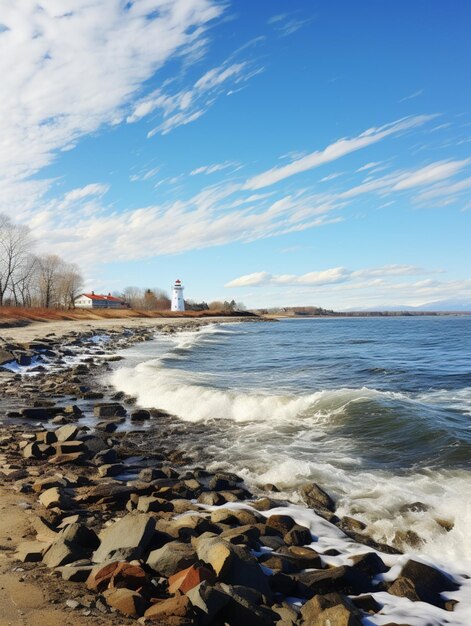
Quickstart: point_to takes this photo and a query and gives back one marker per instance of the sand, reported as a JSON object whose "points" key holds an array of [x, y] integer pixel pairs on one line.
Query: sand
{"points": [[37, 330]]}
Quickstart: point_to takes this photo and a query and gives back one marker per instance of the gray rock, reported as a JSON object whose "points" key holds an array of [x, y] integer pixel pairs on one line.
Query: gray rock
{"points": [[315, 497], [132, 531], [171, 558], [232, 564], [66, 433], [62, 552], [208, 602]]}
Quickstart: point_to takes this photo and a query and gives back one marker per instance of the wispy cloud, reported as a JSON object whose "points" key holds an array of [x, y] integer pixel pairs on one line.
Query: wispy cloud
{"points": [[286, 24], [214, 167], [329, 276], [80, 193], [110, 49], [189, 104], [411, 96], [335, 151]]}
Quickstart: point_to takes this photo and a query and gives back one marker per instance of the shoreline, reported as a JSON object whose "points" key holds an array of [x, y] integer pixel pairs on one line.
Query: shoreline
{"points": [[284, 544]]}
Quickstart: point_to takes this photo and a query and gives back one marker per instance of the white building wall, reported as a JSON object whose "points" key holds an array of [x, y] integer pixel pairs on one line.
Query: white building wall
{"points": [[178, 303]]}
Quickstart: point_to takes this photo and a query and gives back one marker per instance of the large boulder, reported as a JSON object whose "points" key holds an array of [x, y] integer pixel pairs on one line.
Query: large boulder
{"points": [[208, 601], [133, 532], [165, 611], [316, 498], [62, 552], [428, 583], [125, 601], [6, 357], [172, 558], [233, 564]]}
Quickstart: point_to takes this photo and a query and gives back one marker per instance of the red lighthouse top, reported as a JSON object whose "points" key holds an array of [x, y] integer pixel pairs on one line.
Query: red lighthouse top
{"points": [[178, 280]]}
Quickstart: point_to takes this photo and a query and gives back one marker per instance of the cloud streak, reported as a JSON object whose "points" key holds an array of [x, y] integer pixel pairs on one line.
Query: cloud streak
{"points": [[334, 151]]}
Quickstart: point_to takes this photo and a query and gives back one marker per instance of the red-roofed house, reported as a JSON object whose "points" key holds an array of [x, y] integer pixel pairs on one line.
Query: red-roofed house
{"points": [[99, 301]]}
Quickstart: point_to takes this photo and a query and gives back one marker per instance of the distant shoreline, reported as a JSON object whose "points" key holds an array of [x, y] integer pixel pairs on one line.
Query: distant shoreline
{"points": [[343, 314]]}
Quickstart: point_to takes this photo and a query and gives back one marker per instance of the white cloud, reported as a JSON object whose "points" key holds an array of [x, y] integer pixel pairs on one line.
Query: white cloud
{"points": [[369, 166], [431, 173], [330, 276], [68, 71], [94, 189], [331, 177], [191, 103], [211, 169], [413, 95], [335, 151]]}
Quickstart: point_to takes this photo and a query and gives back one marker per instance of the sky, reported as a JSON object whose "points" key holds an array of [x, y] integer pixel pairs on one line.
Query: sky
{"points": [[272, 152]]}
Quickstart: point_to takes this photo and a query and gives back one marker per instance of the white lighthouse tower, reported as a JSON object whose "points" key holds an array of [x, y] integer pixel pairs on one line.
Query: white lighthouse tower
{"points": [[178, 304]]}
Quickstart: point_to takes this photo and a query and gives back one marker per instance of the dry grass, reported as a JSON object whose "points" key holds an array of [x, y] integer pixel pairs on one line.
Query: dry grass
{"points": [[19, 316]]}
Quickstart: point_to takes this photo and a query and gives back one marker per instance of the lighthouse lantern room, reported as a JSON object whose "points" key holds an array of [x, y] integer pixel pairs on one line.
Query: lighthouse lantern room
{"points": [[178, 303]]}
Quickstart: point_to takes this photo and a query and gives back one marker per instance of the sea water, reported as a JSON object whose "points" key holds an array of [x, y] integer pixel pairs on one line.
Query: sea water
{"points": [[376, 410]]}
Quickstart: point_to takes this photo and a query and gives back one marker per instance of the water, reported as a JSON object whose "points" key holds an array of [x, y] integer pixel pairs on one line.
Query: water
{"points": [[377, 410]]}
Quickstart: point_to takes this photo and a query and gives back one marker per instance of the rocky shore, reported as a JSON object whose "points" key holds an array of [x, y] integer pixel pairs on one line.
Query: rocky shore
{"points": [[116, 532]]}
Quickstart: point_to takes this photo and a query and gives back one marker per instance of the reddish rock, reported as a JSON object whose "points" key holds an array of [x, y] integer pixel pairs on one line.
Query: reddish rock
{"points": [[165, 610], [188, 578], [125, 601], [117, 574]]}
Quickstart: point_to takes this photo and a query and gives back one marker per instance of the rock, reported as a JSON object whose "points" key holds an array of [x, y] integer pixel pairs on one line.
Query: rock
{"points": [[68, 447], [133, 531], [66, 433], [64, 459], [350, 523], [125, 601], [313, 608], [339, 615], [243, 608], [113, 469], [188, 578], [429, 582], [315, 497], [105, 457], [298, 536], [116, 574], [46, 436], [171, 558], [80, 535], [211, 498], [343, 579], [109, 409], [370, 564], [164, 610], [367, 603], [151, 473], [140, 415], [265, 504], [109, 426], [41, 413], [74, 573], [6, 357], [54, 497], [31, 551], [281, 523], [208, 601], [147, 504], [44, 530], [287, 615], [62, 552], [404, 588], [232, 564], [32, 451]]}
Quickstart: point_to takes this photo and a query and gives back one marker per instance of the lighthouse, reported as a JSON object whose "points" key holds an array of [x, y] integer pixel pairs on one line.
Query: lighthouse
{"points": [[178, 304]]}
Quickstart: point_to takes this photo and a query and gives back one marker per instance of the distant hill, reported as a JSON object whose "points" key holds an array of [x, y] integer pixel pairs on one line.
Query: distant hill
{"points": [[439, 305]]}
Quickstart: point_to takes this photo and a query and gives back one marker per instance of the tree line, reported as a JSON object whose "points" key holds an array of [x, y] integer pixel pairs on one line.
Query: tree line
{"points": [[29, 279]]}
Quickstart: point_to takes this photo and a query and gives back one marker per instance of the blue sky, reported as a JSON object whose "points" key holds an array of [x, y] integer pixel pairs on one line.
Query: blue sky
{"points": [[277, 153]]}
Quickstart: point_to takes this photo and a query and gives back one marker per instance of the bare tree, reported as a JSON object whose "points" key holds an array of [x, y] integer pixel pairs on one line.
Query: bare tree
{"points": [[49, 268], [15, 248], [69, 283]]}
